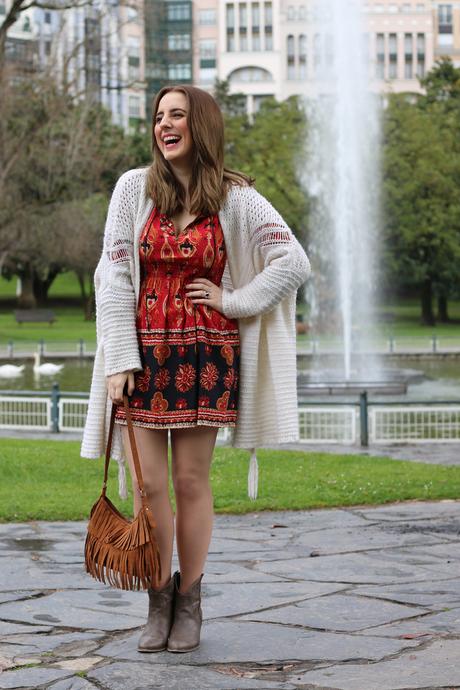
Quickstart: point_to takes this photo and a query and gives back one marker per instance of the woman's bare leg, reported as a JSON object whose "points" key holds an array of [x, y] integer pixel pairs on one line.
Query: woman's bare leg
{"points": [[192, 450], [152, 448]]}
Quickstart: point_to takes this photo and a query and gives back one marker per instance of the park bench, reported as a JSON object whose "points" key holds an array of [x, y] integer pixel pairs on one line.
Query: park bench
{"points": [[34, 316]]}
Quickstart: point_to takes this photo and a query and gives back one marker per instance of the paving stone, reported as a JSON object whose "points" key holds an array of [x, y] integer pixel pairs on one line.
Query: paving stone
{"points": [[435, 666], [337, 612], [21, 572], [80, 609], [427, 594], [145, 676], [15, 596], [233, 599], [411, 510], [218, 572], [432, 624], [74, 683], [30, 677], [232, 641], [38, 644], [342, 540], [79, 664], [350, 567], [7, 629]]}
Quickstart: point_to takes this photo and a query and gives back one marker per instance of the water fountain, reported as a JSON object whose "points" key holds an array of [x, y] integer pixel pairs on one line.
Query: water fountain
{"points": [[342, 178]]}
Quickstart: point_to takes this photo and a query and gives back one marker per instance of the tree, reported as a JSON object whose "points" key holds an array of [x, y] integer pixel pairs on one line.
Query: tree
{"points": [[59, 151], [422, 245], [271, 149]]}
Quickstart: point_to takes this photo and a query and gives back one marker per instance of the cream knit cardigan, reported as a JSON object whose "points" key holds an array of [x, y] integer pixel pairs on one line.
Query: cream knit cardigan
{"points": [[265, 266]]}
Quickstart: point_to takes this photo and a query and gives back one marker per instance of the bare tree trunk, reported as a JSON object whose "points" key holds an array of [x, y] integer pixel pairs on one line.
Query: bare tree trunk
{"points": [[443, 315], [427, 303], [42, 286], [26, 300]]}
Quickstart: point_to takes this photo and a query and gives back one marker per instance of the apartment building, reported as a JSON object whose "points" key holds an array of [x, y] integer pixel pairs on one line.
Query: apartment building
{"points": [[206, 20], [168, 44], [447, 30], [97, 50]]}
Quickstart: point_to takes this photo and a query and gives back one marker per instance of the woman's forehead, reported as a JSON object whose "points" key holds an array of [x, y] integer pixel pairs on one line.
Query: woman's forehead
{"points": [[173, 99]]}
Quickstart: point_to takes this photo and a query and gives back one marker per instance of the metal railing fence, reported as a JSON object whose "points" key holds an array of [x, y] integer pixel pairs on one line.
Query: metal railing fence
{"points": [[360, 422], [378, 345]]}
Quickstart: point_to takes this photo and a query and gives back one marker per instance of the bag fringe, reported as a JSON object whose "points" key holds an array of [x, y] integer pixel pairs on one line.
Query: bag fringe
{"points": [[122, 553]]}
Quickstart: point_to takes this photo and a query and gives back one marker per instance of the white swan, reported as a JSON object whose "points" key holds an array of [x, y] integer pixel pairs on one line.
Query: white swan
{"points": [[10, 371], [48, 368]]}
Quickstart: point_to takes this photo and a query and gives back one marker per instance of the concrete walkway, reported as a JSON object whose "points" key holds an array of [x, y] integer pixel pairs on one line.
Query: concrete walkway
{"points": [[352, 599]]}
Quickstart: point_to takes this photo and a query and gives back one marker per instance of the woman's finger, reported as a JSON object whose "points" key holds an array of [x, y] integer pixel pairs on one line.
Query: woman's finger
{"points": [[131, 383]]}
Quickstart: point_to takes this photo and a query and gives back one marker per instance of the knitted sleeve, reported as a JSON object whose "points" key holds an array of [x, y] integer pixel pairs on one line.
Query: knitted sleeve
{"points": [[115, 297], [281, 261]]}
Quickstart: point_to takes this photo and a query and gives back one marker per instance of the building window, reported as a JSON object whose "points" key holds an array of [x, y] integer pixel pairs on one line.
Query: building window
{"points": [[302, 12], [445, 19], [380, 64], [2, 8], [291, 12], [180, 71], [230, 17], [268, 20], [258, 100], [208, 49], [177, 13], [26, 24], [134, 107], [243, 26], [268, 16], [406, 8], [317, 50], [290, 46], [408, 56], [134, 57], [302, 56], [207, 17], [248, 74], [47, 48], [392, 8], [420, 55], [47, 17], [132, 14], [208, 75], [179, 42], [421, 7], [255, 12], [393, 56]]}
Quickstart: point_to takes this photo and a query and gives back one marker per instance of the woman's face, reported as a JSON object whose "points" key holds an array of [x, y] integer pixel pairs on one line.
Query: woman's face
{"points": [[172, 133]]}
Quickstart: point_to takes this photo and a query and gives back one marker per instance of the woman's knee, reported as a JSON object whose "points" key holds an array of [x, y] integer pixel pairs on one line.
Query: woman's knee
{"points": [[154, 488], [189, 485]]}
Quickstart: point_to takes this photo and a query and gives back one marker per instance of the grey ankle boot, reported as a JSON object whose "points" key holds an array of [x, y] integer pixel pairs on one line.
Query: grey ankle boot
{"points": [[185, 631], [154, 637]]}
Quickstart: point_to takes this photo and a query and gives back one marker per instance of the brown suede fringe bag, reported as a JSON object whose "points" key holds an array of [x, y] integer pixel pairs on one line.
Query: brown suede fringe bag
{"points": [[121, 552]]}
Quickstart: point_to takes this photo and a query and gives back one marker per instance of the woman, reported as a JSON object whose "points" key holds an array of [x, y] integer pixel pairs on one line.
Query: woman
{"points": [[195, 297]]}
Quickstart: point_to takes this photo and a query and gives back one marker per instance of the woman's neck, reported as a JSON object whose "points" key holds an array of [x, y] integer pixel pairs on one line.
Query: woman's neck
{"points": [[183, 175]]}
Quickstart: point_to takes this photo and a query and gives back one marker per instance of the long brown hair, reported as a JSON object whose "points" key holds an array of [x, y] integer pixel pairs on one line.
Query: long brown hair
{"points": [[210, 179]]}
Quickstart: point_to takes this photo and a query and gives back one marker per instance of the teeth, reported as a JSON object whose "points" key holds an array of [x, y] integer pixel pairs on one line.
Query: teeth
{"points": [[171, 140]]}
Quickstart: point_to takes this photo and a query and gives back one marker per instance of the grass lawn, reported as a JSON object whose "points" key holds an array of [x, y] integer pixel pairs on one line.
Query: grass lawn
{"points": [[47, 480], [401, 319]]}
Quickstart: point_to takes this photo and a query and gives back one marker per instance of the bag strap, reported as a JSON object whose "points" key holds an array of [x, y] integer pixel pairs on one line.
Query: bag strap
{"points": [[132, 441]]}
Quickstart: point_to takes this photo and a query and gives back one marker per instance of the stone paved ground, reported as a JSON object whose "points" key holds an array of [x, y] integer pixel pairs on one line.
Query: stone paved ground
{"points": [[351, 599]]}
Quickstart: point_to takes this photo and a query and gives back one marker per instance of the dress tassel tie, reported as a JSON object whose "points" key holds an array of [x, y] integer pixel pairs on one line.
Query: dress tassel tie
{"points": [[253, 475]]}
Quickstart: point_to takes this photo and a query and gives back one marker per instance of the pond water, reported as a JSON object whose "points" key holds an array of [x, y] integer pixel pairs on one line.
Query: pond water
{"points": [[438, 379]]}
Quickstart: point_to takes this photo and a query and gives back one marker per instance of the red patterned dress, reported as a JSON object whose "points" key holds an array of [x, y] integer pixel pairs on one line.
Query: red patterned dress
{"points": [[190, 352]]}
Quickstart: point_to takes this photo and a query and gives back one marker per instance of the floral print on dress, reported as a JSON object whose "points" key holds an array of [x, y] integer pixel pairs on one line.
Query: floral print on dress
{"points": [[189, 352]]}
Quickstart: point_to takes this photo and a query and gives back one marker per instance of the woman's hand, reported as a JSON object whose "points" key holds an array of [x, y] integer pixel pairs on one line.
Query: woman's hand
{"points": [[199, 287], [116, 384]]}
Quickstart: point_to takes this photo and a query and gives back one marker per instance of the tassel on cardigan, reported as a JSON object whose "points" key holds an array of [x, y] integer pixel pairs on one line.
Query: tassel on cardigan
{"points": [[253, 475]]}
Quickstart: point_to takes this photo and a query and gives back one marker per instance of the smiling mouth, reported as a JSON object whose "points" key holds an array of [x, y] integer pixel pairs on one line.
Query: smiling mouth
{"points": [[171, 143]]}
